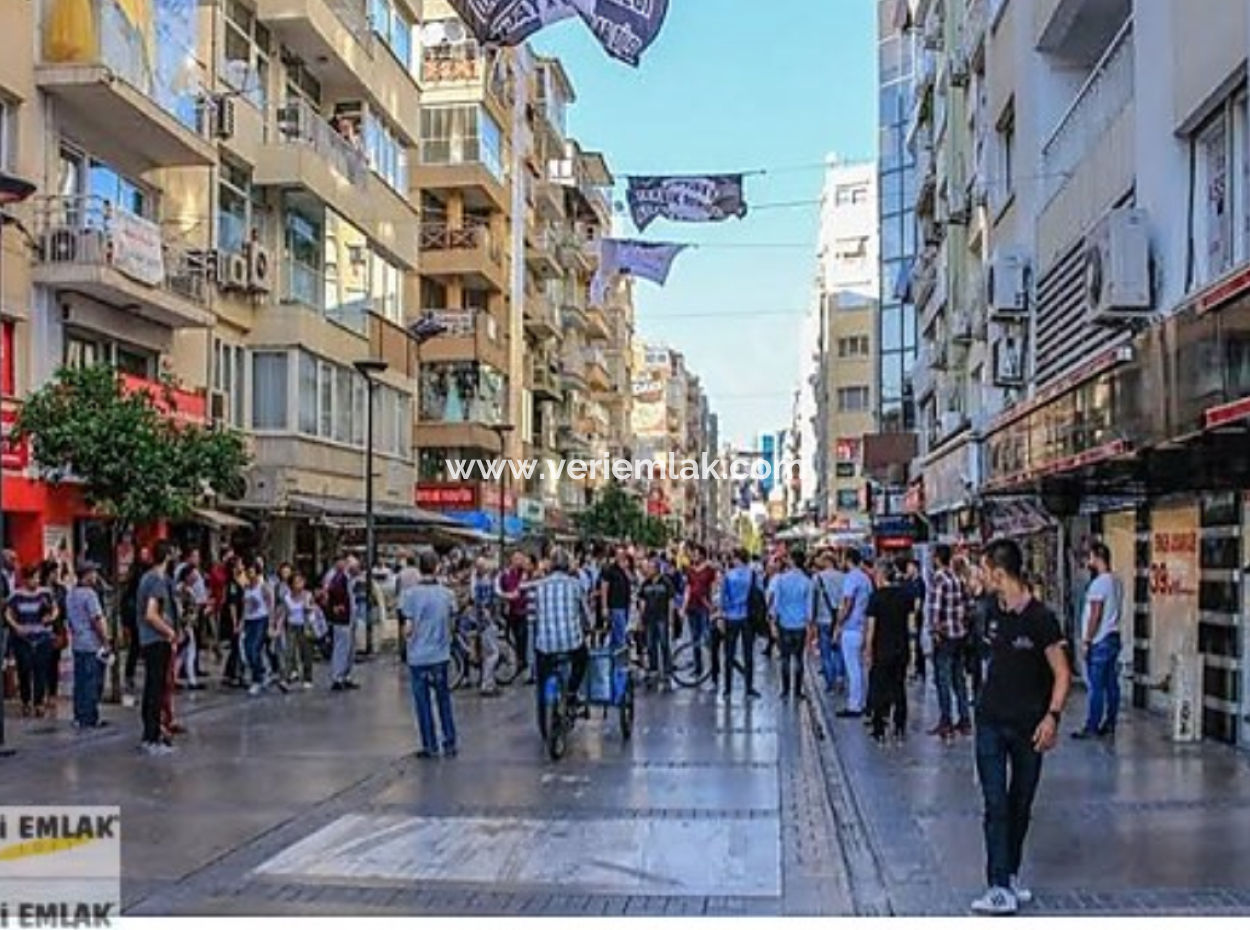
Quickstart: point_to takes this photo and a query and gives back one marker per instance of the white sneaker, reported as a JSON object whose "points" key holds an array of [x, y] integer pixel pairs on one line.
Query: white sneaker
{"points": [[308, 686], [157, 749], [1023, 895], [254, 690], [996, 901]]}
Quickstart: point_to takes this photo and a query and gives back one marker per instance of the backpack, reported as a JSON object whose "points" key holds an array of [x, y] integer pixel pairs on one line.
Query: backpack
{"points": [[757, 606]]}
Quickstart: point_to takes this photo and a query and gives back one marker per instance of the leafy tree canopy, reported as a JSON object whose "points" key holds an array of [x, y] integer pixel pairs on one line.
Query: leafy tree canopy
{"points": [[617, 515]]}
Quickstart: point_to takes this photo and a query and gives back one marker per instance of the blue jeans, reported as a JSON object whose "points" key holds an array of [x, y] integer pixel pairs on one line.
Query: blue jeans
{"points": [[619, 619], [427, 678], [697, 616], [948, 657], [1103, 669], [254, 647], [832, 665], [88, 687], [1009, 770]]}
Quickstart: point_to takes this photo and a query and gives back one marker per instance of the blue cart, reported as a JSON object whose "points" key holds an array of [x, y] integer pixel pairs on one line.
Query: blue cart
{"points": [[609, 684]]}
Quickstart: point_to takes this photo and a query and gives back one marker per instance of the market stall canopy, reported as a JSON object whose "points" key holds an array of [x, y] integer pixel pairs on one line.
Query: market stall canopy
{"points": [[352, 512]]}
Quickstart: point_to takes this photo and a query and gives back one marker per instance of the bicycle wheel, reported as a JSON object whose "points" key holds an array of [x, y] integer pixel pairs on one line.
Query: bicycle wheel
{"points": [[557, 728], [459, 670], [627, 713], [692, 665], [509, 668]]}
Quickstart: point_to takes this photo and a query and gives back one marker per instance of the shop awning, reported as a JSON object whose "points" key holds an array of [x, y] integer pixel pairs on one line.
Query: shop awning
{"points": [[343, 508], [1013, 517], [218, 520]]}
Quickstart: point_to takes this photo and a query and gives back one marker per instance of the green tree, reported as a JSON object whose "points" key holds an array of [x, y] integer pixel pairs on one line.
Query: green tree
{"points": [[617, 515], [134, 459]]}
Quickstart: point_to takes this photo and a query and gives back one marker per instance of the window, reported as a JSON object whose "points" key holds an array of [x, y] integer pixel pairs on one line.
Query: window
{"points": [[394, 27], [246, 54], [307, 394], [81, 175], [386, 154], [853, 347], [848, 194], [846, 469], [853, 399], [305, 246], [230, 377], [241, 213], [269, 395], [8, 372], [1005, 180], [456, 135], [82, 350], [1221, 193], [8, 135], [848, 499]]}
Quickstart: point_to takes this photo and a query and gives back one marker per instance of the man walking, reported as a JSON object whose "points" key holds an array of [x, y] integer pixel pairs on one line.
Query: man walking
{"points": [[913, 584], [852, 623], [827, 593], [1018, 718], [89, 638], [510, 587], [736, 616], [156, 621], [790, 602], [697, 606], [1100, 632], [946, 617], [657, 602], [340, 615], [429, 611]]}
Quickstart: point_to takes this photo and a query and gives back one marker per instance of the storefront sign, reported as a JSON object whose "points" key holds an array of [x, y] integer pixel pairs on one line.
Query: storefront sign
{"points": [[531, 511], [447, 496], [490, 499], [137, 249], [14, 456], [1226, 414], [1174, 577]]}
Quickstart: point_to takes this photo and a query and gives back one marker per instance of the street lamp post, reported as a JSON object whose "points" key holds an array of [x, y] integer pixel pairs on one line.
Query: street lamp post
{"points": [[502, 430], [13, 190], [369, 369]]}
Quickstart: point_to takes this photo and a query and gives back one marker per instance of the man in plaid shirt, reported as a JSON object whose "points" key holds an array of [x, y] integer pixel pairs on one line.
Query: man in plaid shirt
{"points": [[946, 613], [561, 616]]}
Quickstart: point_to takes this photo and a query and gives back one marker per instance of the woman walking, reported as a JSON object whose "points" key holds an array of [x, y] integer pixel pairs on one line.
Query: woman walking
{"points": [[257, 609], [30, 614], [299, 608]]}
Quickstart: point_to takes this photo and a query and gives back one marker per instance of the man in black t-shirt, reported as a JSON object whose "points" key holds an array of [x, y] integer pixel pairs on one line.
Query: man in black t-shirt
{"points": [[657, 602], [886, 651], [1018, 718], [615, 593]]}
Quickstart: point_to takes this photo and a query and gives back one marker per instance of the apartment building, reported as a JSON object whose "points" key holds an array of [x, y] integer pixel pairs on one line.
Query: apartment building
{"points": [[1086, 368], [838, 403], [222, 198]]}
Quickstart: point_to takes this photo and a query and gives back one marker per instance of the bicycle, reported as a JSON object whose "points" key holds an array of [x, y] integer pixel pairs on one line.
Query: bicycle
{"points": [[610, 683], [693, 661], [466, 655]]}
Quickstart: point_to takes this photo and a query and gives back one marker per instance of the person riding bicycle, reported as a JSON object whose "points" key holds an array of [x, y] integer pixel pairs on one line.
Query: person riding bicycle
{"points": [[561, 617]]}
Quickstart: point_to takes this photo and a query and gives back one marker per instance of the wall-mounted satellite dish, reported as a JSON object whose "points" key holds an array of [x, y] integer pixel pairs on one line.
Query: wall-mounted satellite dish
{"points": [[433, 33], [454, 31]]}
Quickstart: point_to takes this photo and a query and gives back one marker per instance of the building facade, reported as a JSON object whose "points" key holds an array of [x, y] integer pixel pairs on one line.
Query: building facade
{"points": [[1085, 365]]}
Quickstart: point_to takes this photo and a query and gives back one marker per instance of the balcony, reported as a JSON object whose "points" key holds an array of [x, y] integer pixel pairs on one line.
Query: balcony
{"points": [[573, 371], [111, 101], [549, 199], [572, 303], [468, 166], [541, 252], [597, 376], [336, 40], [545, 381], [89, 246], [463, 72], [1077, 31], [470, 335], [176, 403], [540, 315], [597, 324], [470, 253], [1089, 160]]}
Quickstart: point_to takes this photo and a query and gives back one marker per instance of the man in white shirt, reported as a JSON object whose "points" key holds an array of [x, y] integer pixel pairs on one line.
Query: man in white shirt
{"points": [[1100, 632]]}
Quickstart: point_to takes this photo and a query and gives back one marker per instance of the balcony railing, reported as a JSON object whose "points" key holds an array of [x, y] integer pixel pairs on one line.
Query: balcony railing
{"points": [[443, 237], [465, 323], [595, 357], [91, 231], [297, 123], [462, 63], [1105, 95]]}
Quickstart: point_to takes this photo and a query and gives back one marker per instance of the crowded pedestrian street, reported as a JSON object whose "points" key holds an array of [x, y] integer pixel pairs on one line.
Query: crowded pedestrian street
{"points": [[313, 804]]}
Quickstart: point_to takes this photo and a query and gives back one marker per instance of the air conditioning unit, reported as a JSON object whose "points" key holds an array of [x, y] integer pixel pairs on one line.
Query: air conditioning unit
{"points": [[958, 206], [224, 116], [1007, 285], [232, 271], [1117, 269], [218, 407], [1009, 360], [259, 269], [960, 71], [72, 244]]}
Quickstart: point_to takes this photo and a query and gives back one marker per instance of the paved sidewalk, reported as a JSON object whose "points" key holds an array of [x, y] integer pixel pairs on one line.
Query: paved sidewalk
{"points": [[1138, 826]]}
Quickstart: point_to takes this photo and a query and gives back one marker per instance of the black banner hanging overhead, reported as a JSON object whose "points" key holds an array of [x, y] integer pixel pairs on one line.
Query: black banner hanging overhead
{"points": [[687, 199], [625, 28]]}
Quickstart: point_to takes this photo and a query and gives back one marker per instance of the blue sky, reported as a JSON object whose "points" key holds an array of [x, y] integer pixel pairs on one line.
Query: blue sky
{"points": [[734, 85]]}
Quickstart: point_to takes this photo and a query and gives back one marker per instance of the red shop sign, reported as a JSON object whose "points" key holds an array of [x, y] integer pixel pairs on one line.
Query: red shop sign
{"points": [[447, 496], [14, 456]]}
